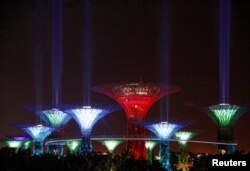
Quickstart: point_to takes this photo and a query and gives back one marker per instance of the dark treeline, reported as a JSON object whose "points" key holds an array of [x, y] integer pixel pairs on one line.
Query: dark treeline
{"points": [[23, 160]]}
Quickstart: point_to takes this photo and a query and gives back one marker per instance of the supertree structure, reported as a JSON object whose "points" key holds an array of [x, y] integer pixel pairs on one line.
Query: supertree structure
{"points": [[225, 116], [73, 146], [25, 140], [26, 144], [183, 137], [150, 146], [15, 144], [136, 99], [111, 144], [86, 117], [54, 118], [164, 131], [38, 134]]}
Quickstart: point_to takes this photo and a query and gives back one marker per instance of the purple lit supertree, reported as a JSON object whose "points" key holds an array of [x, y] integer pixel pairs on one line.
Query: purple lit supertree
{"points": [[136, 99], [38, 134], [164, 131], [86, 117]]}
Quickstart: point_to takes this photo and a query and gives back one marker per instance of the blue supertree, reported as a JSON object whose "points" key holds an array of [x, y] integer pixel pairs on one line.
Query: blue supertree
{"points": [[86, 117], [38, 134], [164, 131], [55, 118]]}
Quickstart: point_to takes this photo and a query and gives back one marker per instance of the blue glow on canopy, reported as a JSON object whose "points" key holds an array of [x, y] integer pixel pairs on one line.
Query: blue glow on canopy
{"points": [[163, 130], [38, 132], [86, 117], [54, 117]]}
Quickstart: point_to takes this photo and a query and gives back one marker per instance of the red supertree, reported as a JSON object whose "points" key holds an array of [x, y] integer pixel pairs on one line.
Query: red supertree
{"points": [[136, 99]]}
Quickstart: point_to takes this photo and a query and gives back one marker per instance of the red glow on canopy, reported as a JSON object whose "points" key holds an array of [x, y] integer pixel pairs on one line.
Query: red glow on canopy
{"points": [[136, 98]]}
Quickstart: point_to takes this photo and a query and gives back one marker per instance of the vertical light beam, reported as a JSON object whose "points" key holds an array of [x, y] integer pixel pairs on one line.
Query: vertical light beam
{"points": [[224, 43], [164, 54], [87, 52], [57, 50], [39, 52]]}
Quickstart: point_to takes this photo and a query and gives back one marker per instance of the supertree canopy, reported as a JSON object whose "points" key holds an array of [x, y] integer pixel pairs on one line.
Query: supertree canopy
{"points": [[150, 146], [86, 117], [25, 140], [183, 137], [73, 145], [111, 144], [164, 131], [136, 99], [26, 144], [225, 115], [13, 143], [38, 134], [54, 117]]}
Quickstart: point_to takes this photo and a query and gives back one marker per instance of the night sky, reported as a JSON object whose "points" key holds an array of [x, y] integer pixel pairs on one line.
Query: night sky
{"points": [[126, 48]]}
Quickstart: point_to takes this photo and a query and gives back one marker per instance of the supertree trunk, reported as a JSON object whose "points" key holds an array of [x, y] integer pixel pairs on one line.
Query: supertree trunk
{"points": [[165, 155], [38, 148], [85, 147]]}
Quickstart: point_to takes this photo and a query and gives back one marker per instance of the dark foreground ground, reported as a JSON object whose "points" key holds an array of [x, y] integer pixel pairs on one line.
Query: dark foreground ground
{"points": [[11, 161]]}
